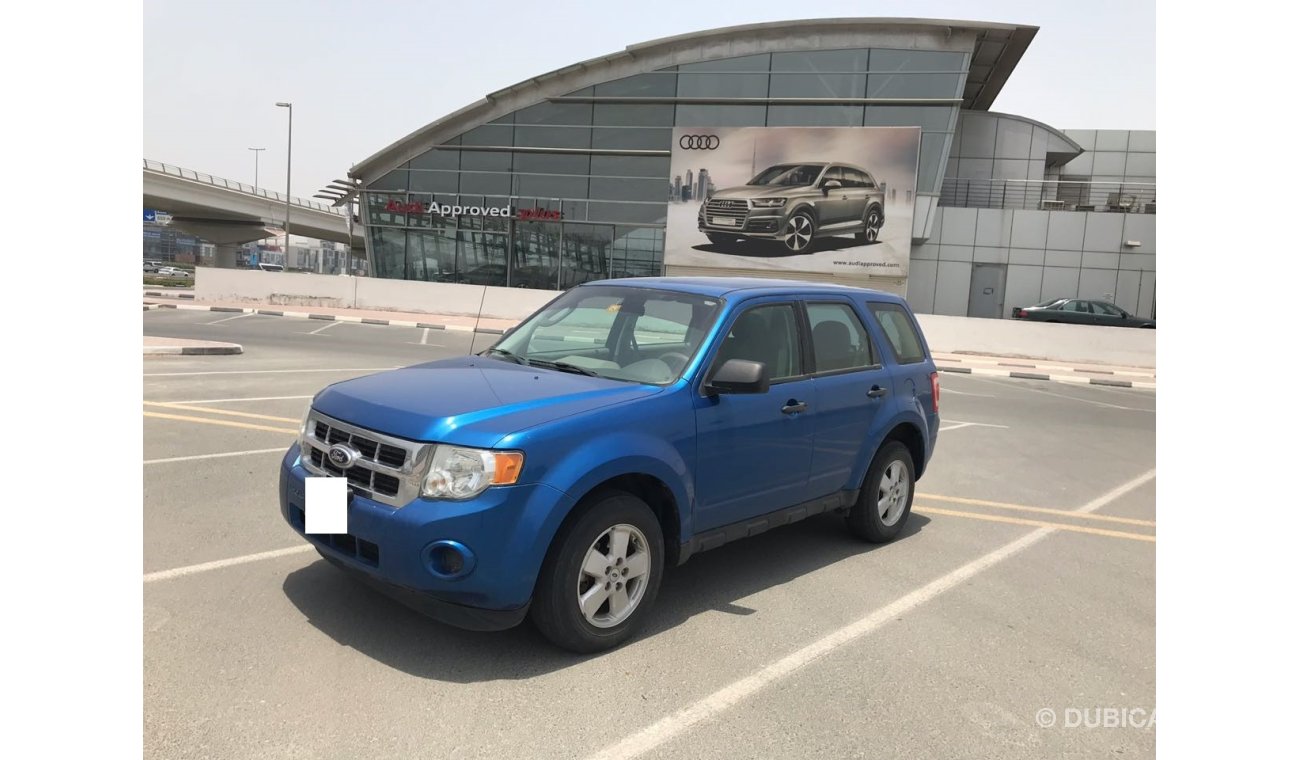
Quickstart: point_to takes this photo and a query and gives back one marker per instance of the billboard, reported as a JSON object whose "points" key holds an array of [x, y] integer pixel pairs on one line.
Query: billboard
{"points": [[822, 200]]}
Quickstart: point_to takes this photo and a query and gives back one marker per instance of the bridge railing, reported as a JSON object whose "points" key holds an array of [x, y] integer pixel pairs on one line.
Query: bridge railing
{"points": [[176, 171]]}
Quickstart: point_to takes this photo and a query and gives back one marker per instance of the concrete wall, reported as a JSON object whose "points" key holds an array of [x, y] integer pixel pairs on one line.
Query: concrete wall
{"points": [[279, 288], [1047, 254], [295, 289], [1131, 347]]}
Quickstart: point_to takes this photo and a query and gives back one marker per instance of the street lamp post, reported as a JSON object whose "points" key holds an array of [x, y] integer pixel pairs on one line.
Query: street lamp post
{"points": [[257, 153], [287, 182]]}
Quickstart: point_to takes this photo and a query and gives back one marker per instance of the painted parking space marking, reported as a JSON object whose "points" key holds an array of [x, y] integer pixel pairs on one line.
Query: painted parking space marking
{"points": [[227, 319], [228, 412], [244, 398], [927, 510], [223, 423], [266, 371], [1040, 510], [677, 723], [222, 455], [204, 567]]}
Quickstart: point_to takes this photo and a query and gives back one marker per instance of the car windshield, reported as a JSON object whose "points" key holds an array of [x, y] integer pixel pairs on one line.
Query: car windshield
{"points": [[635, 334], [788, 175]]}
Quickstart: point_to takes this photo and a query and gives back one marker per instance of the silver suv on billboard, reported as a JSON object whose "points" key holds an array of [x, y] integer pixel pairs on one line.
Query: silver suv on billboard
{"points": [[795, 204]]}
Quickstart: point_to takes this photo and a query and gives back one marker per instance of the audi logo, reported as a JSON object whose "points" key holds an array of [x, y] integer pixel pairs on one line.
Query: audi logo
{"points": [[698, 142]]}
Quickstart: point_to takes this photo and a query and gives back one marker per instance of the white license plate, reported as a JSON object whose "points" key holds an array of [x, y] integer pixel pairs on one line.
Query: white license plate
{"points": [[723, 221]]}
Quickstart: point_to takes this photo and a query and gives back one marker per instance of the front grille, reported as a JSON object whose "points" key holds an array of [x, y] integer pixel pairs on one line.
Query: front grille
{"points": [[731, 209], [385, 469]]}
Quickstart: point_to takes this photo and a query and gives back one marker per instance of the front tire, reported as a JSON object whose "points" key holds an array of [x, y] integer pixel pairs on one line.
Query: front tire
{"points": [[601, 576], [885, 501], [799, 232]]}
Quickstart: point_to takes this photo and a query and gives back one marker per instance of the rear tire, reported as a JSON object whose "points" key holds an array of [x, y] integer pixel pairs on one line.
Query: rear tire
{"points": [[885, 501], [601, 575]]}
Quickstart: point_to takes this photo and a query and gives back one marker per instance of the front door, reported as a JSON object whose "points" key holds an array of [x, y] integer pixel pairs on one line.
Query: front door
{"points": [[755, 450]]}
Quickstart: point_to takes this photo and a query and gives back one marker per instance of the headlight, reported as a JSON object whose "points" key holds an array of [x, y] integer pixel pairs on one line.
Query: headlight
{"points": [[462, 473], [768, 202], [302, 429]]}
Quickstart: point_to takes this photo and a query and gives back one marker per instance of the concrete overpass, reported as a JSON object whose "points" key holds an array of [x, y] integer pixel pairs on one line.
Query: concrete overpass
{"points": [[228, 213]]}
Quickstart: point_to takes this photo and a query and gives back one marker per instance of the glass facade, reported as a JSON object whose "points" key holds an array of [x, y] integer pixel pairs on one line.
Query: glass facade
{"points": [[587, 173]]}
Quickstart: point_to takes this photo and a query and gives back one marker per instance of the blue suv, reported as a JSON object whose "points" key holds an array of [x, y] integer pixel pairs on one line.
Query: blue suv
{"points": [[619, 430]]}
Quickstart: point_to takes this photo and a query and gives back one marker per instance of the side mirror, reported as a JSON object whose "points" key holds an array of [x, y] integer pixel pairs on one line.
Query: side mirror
{"points": [[739, 376], [831, 184]]}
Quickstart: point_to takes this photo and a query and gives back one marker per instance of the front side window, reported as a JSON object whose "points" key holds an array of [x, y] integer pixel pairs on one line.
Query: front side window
{"points": [[766, 334], [900, 332], [1101, 307], [633, 334], [839, 339]]}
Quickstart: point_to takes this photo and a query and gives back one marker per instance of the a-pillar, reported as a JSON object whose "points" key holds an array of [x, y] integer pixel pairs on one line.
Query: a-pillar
{"points": [[226, 255]]}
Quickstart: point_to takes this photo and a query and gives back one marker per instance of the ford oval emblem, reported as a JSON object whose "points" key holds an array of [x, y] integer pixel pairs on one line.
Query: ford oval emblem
{"points": [[343, 456]]}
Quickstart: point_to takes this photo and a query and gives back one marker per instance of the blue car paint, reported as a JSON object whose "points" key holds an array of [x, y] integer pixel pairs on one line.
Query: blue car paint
{"points": [[578, 432]]}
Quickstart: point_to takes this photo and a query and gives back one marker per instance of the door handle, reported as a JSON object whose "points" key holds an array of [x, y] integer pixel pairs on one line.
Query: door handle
{"points": [[877, 392], [792, 406]]}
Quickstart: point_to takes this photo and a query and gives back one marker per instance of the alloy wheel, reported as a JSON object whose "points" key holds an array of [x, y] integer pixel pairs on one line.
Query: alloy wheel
{"points": [[798, 232], [613, 577], [891, 496]]}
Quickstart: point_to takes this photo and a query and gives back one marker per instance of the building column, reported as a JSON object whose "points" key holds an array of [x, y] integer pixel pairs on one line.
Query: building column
{"points": [[225, 258]]}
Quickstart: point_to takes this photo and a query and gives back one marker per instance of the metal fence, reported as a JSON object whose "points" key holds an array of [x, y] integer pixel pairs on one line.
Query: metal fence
{"points": [[176, 171], [1049, 195]]}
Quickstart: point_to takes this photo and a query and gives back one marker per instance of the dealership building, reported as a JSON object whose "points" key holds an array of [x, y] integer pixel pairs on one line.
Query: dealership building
{"points": [[565, 178]]}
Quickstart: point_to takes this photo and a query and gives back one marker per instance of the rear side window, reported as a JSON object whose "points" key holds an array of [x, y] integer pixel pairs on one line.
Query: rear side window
{"points": [[900, 332], [839, 339]]}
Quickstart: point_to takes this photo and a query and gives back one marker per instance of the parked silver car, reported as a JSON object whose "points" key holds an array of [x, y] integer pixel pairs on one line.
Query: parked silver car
{"points": [[795, 204]]}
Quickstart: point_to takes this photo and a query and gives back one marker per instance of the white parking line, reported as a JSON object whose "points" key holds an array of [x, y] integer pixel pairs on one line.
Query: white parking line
{"points": [[246, 398], [723, 699], [963, 423], [214, 456], [227, 319], [163, 575], [267, 371], [320, 330]]}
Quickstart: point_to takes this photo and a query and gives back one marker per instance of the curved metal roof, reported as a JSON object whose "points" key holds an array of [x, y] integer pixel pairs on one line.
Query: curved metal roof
{"points": [[995, 48]]}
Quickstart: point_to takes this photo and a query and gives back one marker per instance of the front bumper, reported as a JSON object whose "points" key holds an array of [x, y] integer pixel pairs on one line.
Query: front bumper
{"points": [[507, 529], [756, 223]]}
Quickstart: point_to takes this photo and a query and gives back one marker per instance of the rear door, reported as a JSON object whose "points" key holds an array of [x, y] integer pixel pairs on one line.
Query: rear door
{"points": [[1077, 312], [911, 356], [852, 387]]}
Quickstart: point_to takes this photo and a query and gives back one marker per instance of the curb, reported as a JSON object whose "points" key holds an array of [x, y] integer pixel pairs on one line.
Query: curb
{"points": [[226, 349], [1070, 379], [1049, 365], [325, 317], [158, 294]]}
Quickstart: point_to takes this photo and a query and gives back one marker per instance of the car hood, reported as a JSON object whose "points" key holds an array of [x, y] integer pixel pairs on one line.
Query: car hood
{"points": [[758, 191], [469, 400]]}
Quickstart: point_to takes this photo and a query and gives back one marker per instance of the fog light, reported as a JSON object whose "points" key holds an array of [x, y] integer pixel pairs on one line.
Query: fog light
{"points": [[450, 559]]}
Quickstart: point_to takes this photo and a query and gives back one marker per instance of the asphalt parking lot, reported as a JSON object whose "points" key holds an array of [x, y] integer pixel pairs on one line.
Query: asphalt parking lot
{"points": [[1024, 583]]}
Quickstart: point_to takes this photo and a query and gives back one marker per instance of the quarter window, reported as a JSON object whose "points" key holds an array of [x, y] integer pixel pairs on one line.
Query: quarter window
{"points": [[839, 339], [900, 332]]}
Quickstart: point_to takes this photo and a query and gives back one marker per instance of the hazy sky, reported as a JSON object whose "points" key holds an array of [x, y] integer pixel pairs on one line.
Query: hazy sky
{"points": [[364, 73]]}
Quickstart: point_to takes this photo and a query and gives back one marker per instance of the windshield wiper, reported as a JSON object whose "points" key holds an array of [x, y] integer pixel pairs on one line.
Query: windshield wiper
{"points": [[565, 367], [512, 357]]}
